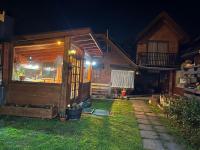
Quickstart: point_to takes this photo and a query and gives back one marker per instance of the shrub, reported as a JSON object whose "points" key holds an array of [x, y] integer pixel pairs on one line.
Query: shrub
{"points": [[186, 112]]}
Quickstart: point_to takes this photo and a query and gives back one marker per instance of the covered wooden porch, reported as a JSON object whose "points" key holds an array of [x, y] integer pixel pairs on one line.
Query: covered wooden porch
{"points": [[43, 73]]}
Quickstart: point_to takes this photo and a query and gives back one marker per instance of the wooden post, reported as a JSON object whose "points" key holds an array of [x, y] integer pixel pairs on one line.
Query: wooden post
{"points": [[171, 74], [5, 62], [64, 99]]}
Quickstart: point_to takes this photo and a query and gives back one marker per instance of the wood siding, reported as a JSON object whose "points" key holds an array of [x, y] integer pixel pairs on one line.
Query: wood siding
{"points": [[113, 57], [85, 90], [33, 93], [164, 33]]}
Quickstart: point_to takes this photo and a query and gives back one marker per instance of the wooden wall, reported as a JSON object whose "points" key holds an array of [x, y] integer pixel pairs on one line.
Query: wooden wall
{"points": [[112, 57], [33, 93], [85, 90], [163, 33], [178, 91]]}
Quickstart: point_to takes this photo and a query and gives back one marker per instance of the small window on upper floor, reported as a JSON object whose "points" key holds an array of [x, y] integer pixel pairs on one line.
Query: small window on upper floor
{"points": [[158, 46]]}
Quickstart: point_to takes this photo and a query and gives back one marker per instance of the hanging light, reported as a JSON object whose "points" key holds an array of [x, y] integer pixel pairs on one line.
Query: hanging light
{"points": [[137, 72], [87, 62], [59, 42], [94, 63]]}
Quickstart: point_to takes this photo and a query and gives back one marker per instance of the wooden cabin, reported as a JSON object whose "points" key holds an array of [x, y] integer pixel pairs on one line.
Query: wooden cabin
{"points": [[114, 70], [157, 54], [43, 73]]}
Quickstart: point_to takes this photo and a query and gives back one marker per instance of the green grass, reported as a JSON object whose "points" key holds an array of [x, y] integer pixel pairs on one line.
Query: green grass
{"points": [[116, 132]]}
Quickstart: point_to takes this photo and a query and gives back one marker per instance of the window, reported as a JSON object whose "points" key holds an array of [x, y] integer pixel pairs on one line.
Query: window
{"points": [[38, 62], [158, 46], [122, 79]]}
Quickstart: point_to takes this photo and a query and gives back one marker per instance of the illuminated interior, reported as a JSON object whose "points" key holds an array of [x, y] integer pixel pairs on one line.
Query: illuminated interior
{"points": [[38, 62]]}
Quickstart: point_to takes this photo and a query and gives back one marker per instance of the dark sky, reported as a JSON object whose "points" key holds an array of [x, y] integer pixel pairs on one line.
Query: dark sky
{"points": [[124, 19]]}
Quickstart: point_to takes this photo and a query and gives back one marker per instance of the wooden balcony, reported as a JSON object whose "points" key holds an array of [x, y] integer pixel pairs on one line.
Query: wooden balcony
{"points": [[157, 59]]}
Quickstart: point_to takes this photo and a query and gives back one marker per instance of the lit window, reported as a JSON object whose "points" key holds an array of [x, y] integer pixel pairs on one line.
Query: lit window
{"points": [[38, 63]]}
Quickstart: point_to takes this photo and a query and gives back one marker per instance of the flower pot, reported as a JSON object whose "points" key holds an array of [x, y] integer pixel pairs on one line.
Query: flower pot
{"points": [[74, 113], [62, 119], [21, 78]]}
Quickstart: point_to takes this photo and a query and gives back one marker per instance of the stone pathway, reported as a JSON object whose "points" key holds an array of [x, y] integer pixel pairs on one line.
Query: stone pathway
{"points": [[154, 134]]}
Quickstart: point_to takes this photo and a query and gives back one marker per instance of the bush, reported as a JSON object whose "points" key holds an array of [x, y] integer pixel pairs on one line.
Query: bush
{"points": [[186, 112]]}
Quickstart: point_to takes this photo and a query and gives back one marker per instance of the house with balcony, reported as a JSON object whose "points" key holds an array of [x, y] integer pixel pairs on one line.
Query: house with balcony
{"points": [[157, 49]]}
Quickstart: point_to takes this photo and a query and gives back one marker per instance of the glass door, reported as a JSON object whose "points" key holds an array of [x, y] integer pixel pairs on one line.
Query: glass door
{"points": [[75, 76]]}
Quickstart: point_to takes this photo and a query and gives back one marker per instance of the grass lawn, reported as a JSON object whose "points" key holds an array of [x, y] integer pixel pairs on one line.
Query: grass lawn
{"points": [[116, 132]]}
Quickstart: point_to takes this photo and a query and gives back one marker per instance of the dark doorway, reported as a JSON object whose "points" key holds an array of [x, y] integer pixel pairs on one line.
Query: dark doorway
{"points": [[151, 82]]}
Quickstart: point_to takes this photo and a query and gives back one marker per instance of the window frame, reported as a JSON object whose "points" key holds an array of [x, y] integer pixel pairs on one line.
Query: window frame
{"points": [[157, 43], [76, 71], [27, 43]]}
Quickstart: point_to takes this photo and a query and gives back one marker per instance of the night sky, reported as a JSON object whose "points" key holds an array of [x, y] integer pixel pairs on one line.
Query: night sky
{"points": [[124, 19]]}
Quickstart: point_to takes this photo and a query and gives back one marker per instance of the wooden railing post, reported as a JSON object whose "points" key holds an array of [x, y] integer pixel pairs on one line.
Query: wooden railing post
{"points": [[157, 59]]}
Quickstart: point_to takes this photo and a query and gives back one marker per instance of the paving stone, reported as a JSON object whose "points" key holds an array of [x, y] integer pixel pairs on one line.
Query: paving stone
{"points": [[166, 137], [147, 110], [160, 128], [173, 146], [152, 117], [139, 112], [148, 134], [140, 116], [145, 127], [137, 109], [155, 122], [143, 121], [151, 114], [152, 144]]}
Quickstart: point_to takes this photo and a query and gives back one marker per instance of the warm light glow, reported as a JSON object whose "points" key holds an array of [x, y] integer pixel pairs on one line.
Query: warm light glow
{"points": [[59, 42], [72, 52], [49, 69], [30, 66]]}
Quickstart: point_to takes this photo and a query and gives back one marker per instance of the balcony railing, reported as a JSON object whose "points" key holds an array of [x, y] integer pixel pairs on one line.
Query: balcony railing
{"points": [[157, 59]]}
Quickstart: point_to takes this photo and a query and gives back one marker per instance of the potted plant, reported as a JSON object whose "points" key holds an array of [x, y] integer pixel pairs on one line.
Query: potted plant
{"points": [[21, 73], [62, 115], [74, 111]]}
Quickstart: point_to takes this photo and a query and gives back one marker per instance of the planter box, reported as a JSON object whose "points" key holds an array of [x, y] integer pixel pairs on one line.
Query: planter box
{"points": [[29, 112], [74, 114]]}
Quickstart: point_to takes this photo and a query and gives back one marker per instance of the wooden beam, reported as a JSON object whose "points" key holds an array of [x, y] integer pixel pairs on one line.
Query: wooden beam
{"points": [[39, 52], [87, 44], [89, 47], [36, 48], [82, 40], [65, 95]]}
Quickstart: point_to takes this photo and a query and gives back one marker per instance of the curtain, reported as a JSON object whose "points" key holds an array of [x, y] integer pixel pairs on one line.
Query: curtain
{"points": [[122, 79]]}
